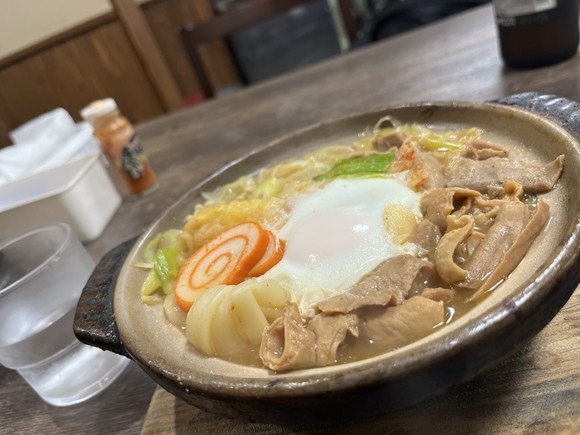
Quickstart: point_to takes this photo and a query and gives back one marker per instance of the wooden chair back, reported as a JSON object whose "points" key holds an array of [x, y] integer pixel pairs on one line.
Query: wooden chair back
{"points": [[239, 18]]}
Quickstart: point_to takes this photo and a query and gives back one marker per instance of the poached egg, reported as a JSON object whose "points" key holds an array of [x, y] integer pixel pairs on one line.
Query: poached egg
{"points": [[336, 235]]}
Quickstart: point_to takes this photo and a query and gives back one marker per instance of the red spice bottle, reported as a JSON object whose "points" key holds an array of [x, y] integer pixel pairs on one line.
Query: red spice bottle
{"points": [[121, 146]]}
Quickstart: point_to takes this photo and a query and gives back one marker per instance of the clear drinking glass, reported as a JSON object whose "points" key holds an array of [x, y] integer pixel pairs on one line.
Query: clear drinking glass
{"points": [[42, 274]]}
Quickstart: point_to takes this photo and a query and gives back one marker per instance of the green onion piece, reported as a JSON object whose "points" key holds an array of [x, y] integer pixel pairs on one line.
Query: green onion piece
{"points": [[374, 164], [434, 144], [161, 240], [169, 285], [151, 283], [151, 248], [166, 267]]}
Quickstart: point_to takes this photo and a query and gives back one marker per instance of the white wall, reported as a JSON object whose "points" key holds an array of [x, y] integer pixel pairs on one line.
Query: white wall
{"points": [[26, 22]]}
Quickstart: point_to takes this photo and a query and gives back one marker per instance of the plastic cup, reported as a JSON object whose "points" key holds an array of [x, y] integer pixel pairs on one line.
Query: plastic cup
{"points": [[42, 274]]}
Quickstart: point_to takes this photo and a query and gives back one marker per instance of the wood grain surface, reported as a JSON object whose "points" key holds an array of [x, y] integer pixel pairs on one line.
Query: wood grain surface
{"points": [[537, 391]]}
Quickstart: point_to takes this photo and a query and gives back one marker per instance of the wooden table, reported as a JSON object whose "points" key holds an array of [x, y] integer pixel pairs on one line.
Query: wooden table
{"points": [[535, 391]]}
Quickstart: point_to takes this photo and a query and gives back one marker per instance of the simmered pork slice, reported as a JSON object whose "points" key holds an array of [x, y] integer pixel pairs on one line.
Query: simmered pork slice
{"points": [[432, 169], [439, 294], [481, 150], [437, 204], [330, 331], [387, 284], [402, 324], [385, 143], [287, 344], [518, 249], [495, 172], [509, 222], [426, 235], [459, 230]]}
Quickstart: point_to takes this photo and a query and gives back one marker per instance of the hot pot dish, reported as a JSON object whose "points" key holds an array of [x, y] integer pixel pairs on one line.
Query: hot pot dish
{"points": [[351, 250], [354, 267]]}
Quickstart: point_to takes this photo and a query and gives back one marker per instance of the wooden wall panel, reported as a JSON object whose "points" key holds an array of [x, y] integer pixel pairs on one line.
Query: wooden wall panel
{"points": [[97, 64], [138, 30], [96, 60], [166, 19]]}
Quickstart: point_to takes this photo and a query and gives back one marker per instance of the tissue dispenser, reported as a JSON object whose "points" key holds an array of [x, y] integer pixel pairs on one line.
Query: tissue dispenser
{"points": [[79, 193]]}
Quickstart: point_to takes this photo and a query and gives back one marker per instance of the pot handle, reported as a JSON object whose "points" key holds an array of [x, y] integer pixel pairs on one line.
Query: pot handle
{"points": [[94, 322], [563, 111]]}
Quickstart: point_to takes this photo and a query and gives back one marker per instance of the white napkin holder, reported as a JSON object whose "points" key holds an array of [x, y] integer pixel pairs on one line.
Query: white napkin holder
{"points": [[55, 172], [79, 193]]}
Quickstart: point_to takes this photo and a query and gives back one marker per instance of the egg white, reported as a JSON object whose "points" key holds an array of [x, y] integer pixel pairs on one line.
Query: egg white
{"points": [[336, 235]]}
